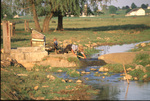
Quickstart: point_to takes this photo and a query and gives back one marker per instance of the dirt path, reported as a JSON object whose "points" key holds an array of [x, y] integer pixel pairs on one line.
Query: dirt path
{"points": [[126, 57]]}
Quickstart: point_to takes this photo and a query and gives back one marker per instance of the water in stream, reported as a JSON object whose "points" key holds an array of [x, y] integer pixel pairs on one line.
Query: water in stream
{"points": [[111, 88]]}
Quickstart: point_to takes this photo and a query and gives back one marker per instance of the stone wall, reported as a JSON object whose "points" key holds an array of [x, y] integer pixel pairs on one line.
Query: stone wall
{"points": [[28, 55]]}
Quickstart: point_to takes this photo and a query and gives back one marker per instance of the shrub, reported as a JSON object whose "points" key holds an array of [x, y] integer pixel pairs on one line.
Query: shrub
{"points": [[142, 59], [137, 73]]}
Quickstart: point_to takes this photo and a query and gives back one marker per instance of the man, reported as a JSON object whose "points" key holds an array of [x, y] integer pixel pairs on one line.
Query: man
{"points": [[77, 51], [55, 45]]}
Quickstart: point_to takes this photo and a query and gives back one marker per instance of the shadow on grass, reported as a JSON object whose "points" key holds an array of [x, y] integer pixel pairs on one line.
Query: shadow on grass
{"points": [[15, 40], [92, 62], [20, 29], [115, 27]]}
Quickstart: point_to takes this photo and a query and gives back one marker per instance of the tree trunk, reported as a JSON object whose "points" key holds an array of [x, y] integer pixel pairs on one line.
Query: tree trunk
{"points": [[60, 23], [46, 22], [35, 17]]}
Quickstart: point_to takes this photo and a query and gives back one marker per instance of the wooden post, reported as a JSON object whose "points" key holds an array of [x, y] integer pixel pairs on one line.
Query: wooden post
{"points": [[6, 36], [125, 73], [25, 27], [13, 28], [127, 92]]}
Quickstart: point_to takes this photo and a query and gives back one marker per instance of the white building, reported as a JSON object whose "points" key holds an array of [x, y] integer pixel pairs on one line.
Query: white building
{"points": [[136, 12], [148, 7]]}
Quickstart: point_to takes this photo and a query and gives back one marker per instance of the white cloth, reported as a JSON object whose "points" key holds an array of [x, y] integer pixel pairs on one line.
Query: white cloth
{"points": [[82, 53], [74, 47]]}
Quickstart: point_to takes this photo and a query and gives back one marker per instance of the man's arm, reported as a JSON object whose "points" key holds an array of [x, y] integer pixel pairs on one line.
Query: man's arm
{"points": [[83, 55], [73, 52]]}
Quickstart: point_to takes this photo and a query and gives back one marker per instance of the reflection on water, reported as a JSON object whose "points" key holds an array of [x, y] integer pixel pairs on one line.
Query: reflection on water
{"points": [[114, 49], [122, 91], [136, 91]]}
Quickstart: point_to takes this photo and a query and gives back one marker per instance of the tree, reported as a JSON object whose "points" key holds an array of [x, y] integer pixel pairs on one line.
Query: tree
{"points": [[128, 10], [67, 6], [89, 11], [95, 10], [127, 7], [7, 8], [143, 6], [81, 4], [112, 9], [25, 6], [55, 7], [35, 16], [48, 8], [133, 6]]}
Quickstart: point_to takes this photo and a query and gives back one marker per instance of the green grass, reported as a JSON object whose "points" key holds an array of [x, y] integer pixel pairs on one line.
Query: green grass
{"points": [[140, 48], [142, 59], [90, 51], [15, 87], [115, 68], [70, 71], [73, 59], [84, 30], [137, 73]]}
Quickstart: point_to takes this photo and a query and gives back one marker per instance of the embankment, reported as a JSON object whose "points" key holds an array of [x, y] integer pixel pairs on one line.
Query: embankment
{"points": [[125, 57]]}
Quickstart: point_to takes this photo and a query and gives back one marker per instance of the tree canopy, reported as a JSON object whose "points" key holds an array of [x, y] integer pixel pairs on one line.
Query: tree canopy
{"points": [[144, 6], [133, 6], [48, 8], [112, 9]]}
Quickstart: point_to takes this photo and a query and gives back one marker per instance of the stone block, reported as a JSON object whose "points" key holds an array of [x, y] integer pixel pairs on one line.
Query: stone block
{"points": [[17, 56], [37, 35], [29, 49], [4, 56], [37, 43], [15, 51], [35, 56]]}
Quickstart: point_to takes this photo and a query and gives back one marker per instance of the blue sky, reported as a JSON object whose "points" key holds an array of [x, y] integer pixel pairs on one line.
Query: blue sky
{"points": [[120, 3]]}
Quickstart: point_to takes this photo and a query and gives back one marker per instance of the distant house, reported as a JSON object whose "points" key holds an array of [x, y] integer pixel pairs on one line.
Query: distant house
{"points": [[136, 12], [16, 16], [148, 7]]}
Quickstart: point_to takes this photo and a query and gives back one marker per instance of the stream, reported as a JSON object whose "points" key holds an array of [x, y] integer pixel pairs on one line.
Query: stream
{"points": [[111, 88]]}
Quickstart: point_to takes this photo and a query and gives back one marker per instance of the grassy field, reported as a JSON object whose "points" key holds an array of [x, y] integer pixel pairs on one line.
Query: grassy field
{"points": [[98, 30]]}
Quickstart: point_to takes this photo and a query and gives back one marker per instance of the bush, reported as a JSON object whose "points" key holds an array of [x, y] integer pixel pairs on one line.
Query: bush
{"points": [[112, 9], [137, 73], [142, 59]]}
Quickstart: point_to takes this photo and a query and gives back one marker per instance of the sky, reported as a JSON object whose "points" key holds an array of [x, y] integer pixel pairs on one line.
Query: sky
{"points": [[138, 3]]}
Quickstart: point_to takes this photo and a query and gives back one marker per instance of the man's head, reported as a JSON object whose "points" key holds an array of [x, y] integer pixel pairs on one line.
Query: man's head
{"points": [[54, 39], [80, 48]]}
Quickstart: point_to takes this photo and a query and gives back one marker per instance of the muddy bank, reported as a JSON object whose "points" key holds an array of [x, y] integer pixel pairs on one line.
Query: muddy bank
{"points": [[69, 60], [59, 60], [125, 57]]}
